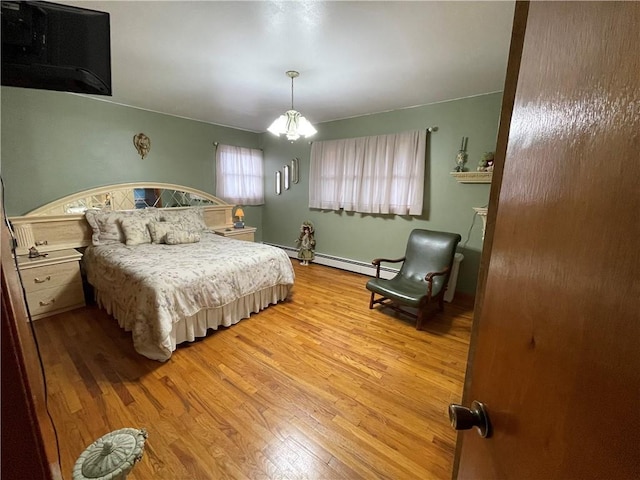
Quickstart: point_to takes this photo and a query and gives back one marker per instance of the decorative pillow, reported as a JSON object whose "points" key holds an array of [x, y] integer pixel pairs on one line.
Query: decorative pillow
{"points": [[176, 237], [191, 219], [106, 224], [135, 228], [159, 230], [105, 227]]}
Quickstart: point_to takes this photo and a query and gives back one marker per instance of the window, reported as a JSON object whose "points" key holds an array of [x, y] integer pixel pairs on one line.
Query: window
{"points": [[382, 174], [239, 175]]}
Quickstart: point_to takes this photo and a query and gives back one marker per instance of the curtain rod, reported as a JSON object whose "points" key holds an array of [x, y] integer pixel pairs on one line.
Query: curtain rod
{"points": [[215, 144], [428, 129]]}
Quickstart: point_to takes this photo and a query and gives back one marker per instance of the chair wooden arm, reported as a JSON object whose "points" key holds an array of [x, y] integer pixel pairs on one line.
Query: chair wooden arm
{"points": [[378, 261], [429, 279]]}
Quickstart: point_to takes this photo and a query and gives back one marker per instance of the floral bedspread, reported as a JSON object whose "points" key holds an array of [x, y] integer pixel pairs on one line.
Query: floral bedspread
{"points": [[156, 285]]}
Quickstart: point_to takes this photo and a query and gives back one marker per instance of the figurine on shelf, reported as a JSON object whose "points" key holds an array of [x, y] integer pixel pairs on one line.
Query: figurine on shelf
{"points": [[486, 162], [490, 162], [306, 243], [461, 157]]}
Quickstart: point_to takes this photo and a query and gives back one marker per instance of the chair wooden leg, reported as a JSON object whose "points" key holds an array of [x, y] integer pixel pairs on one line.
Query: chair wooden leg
{"points": [[371, 301], [422, 312], [423, 308]]}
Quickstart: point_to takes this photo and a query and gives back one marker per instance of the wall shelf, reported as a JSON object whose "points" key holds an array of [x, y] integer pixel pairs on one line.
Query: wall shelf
{"points": [[482, 213], [472, 177]]}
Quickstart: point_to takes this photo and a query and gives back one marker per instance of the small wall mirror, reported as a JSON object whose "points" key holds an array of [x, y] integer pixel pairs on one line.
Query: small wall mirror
{"points": [[278, 183], [285, 171], [295, 172]]}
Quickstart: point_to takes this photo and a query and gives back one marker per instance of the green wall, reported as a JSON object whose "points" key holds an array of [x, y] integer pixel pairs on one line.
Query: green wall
{"points": [[447, 203], [55, 144]]}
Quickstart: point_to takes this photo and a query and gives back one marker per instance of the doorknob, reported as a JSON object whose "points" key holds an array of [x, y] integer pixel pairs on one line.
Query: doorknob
{"points": [[463, 418]]}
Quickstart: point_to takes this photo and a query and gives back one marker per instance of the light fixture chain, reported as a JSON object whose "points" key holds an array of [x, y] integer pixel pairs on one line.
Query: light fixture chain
{"points": [[292, 93]]}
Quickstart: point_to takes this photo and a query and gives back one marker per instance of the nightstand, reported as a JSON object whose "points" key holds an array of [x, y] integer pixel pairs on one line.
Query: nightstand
{"points": [[246, 233], [53, 283]]}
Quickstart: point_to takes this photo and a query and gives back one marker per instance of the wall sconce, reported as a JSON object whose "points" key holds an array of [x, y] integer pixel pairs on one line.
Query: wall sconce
{"points": [[285, 171], [295, 171]]}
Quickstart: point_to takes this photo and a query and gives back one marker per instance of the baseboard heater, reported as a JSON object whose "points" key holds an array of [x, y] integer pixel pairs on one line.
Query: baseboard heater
{"points": [[342, 263], [357, 266]]}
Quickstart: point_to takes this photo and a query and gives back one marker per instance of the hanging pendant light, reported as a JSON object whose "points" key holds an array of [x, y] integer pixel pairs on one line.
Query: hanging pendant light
{"points": [[292, 123]]}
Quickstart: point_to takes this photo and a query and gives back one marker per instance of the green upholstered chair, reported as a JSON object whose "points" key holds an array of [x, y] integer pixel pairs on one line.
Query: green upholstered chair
{"points": [[423, 276]]}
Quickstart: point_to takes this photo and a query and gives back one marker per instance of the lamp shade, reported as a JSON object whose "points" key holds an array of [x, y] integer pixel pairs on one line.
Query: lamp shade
{"points": [[239, 212], [293, 125]]}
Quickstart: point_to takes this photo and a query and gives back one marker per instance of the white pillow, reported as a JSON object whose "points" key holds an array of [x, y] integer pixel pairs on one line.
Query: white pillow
{"points": [[191, 219], [106, 224], [177, 237], [159, 230], [135, 228]]}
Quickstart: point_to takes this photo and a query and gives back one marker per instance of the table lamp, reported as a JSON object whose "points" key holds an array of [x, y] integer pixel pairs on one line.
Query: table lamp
{"points": [[240, 216]]}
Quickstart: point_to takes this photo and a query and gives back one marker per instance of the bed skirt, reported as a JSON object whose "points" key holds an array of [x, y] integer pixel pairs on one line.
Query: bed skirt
{"points": [[190, 328]]}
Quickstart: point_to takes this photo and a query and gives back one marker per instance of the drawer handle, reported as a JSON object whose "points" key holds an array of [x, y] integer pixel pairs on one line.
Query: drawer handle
{"points": [[37, 280], [44, 304]]}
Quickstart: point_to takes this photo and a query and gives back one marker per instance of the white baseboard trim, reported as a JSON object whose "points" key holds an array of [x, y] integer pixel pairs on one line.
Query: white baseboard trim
{"points": [[357, 266], [341, 263]]}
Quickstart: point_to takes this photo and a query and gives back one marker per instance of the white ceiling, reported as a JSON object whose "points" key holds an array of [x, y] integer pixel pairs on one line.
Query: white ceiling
{"points": [[225, 62]]}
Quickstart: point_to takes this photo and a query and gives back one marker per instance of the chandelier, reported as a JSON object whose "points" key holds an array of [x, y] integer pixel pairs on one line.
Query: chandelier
{"points": [[292, 123]]}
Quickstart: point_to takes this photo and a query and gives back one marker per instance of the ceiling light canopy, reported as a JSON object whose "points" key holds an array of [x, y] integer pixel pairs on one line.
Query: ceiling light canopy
{"points": [[292, 123]]}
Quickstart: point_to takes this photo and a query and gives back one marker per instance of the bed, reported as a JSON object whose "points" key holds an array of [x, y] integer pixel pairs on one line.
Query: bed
{"points": [[157, 265]]}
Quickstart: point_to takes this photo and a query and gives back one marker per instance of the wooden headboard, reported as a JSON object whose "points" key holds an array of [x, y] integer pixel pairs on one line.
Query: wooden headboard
{"points": [[61, 224]]}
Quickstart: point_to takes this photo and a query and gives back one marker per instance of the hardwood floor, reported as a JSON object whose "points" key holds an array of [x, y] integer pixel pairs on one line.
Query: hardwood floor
{"points": [[317, 387]]}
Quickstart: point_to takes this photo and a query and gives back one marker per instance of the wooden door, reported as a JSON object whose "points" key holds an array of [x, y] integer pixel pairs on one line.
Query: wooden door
{"points": [[28, 440], [555, 351]]}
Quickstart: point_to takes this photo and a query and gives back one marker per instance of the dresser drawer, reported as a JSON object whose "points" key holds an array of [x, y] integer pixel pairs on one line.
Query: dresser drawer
{"points": [[246, 236], [246, 233], [53, 283], [47, 301], [49, 276]]}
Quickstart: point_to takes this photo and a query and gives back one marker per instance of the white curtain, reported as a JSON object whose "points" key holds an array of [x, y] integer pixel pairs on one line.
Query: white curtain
{"points": [[382, 174], [240, 175]]}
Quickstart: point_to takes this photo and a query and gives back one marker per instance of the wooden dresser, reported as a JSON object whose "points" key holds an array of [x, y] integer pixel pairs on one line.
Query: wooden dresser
{"points": [[246, 233], [53, 283]]}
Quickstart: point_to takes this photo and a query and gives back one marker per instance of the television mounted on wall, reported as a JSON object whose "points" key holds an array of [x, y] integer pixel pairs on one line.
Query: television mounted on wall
{"points": [[56, 47]]}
